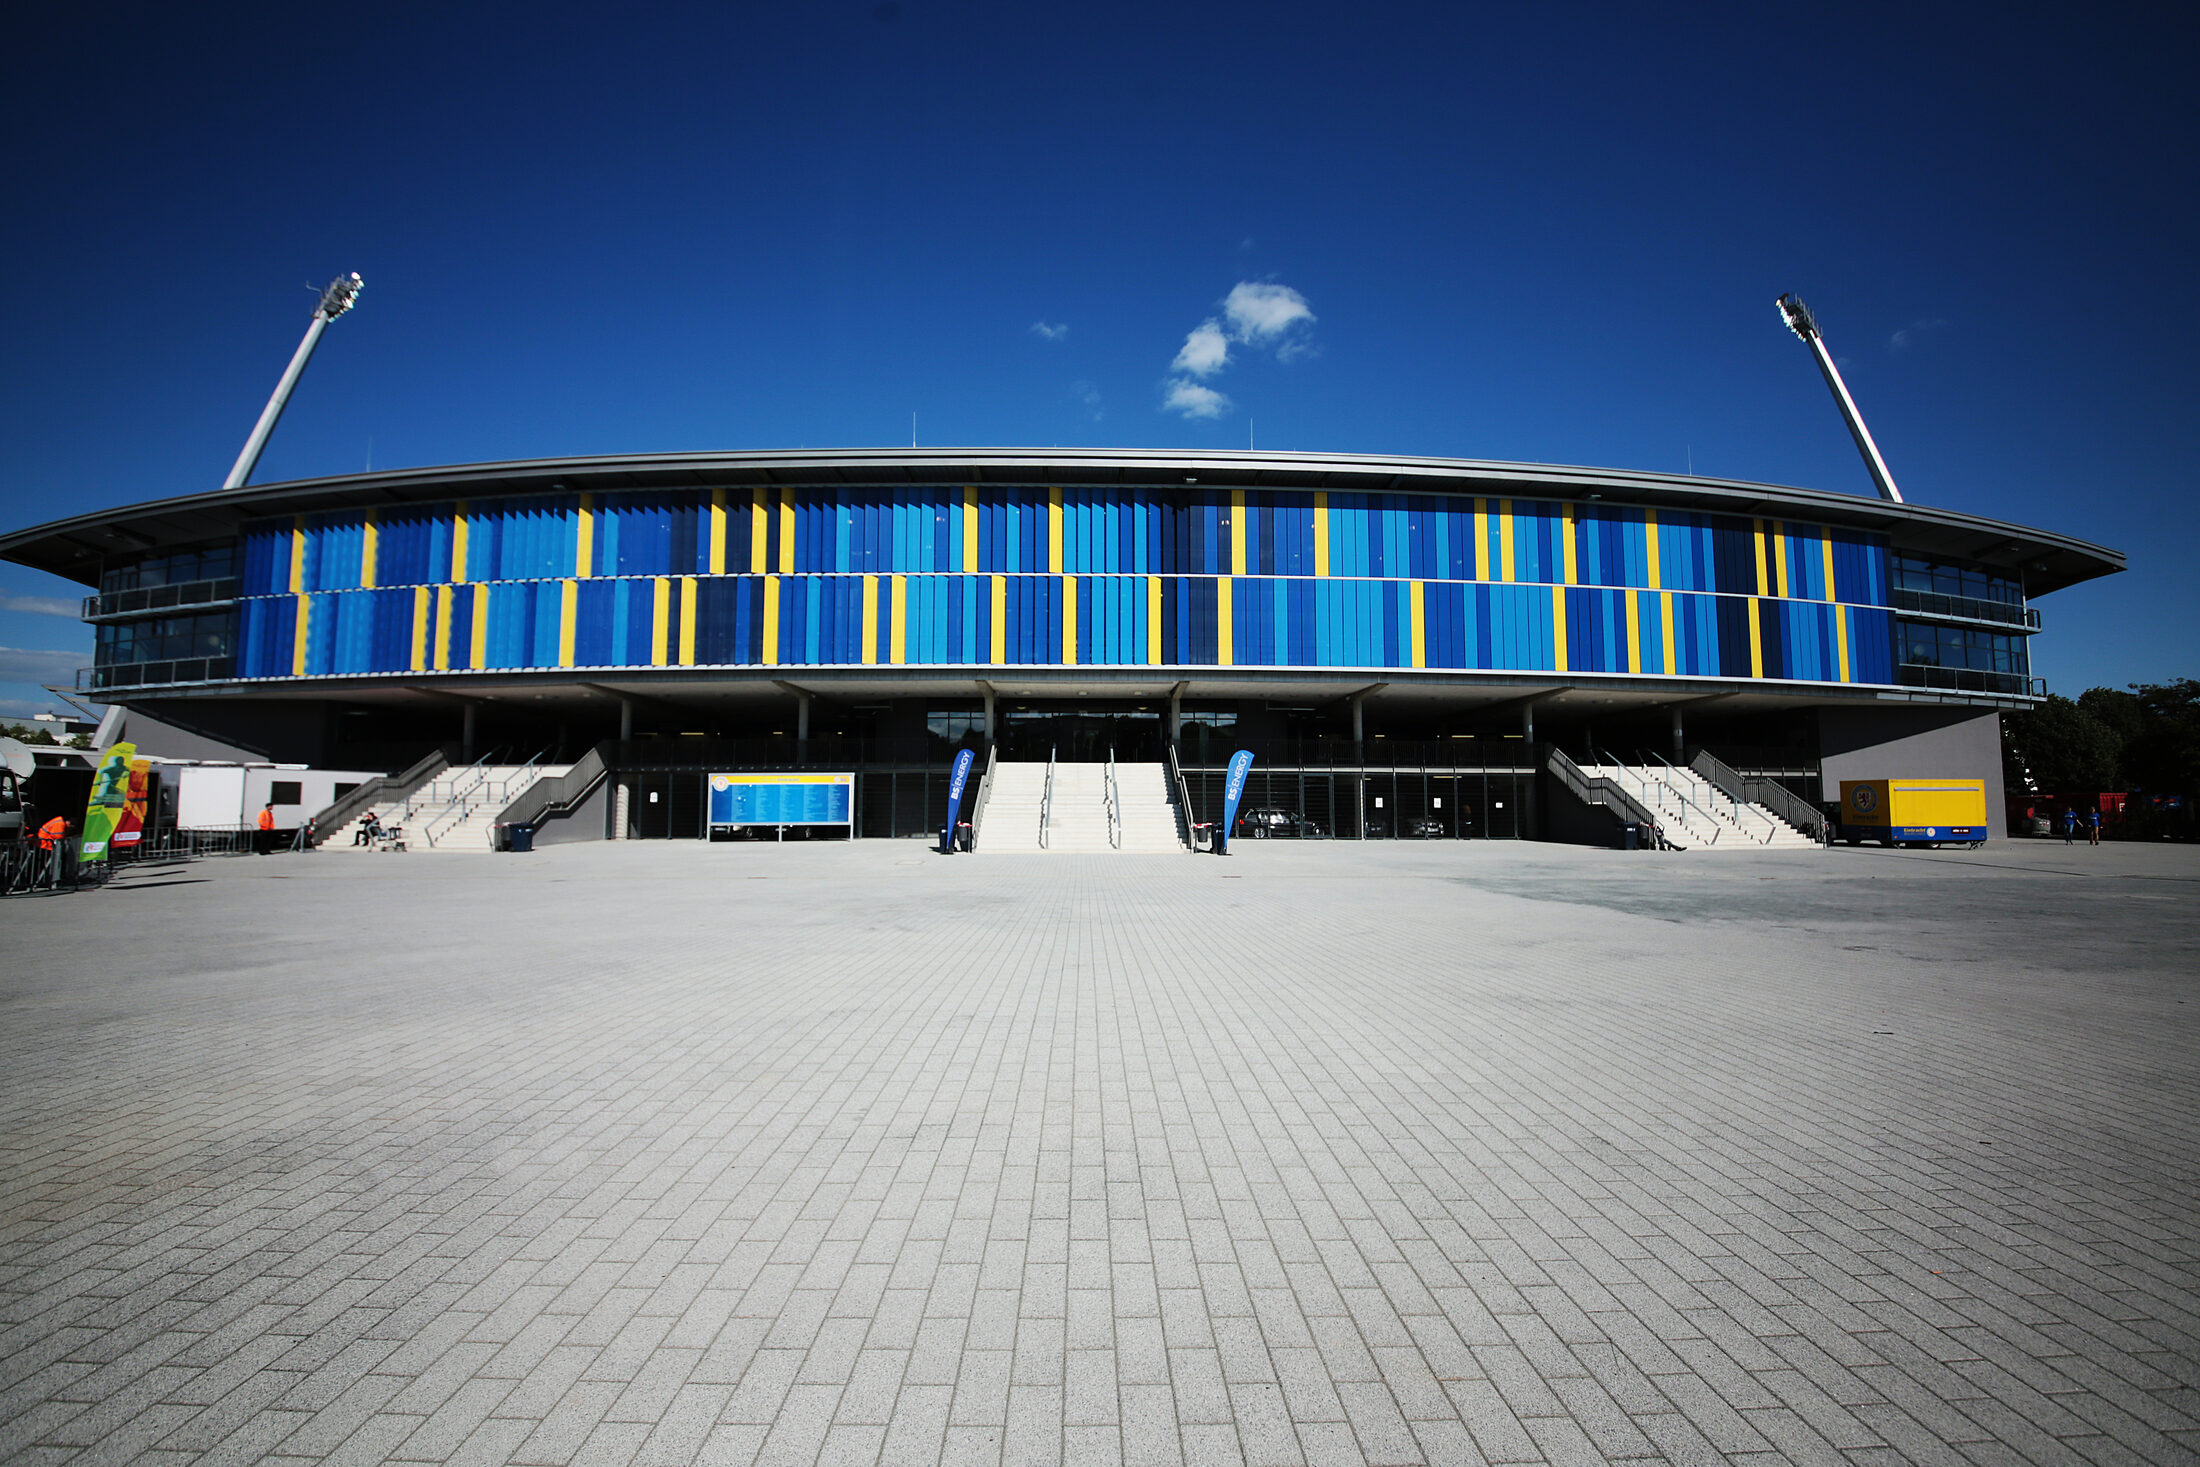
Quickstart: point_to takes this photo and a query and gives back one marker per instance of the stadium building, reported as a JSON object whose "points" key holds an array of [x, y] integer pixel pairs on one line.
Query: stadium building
{"points": [[1410, 647]]}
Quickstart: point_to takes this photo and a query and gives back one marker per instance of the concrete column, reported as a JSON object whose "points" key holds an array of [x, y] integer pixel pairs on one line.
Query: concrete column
{"points": [[622, 795], [1176, 713], [1676, 735], [466, 735], [990, 703], [801, 720], [626, 719], [1527, 722]]}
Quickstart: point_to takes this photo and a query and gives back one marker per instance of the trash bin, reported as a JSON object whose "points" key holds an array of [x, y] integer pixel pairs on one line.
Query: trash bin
{"points": [[500, 837], [519, 837], [962, 836], [946, 846], [1630, 838]]}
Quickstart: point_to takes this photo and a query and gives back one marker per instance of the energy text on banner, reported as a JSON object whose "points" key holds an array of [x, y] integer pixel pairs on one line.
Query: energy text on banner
{"points": [[956, 779], [1233, 790]]}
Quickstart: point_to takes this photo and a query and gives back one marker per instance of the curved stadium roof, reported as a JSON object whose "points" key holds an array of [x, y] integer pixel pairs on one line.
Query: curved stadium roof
{"points": [[74, 547]]}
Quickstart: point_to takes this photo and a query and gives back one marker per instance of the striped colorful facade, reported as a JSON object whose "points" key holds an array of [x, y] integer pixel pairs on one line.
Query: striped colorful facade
{"points": [[961, 577]]}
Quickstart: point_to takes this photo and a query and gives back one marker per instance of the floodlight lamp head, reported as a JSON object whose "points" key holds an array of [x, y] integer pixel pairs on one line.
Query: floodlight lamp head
{"points": [[1798, 317], [342, 294]]}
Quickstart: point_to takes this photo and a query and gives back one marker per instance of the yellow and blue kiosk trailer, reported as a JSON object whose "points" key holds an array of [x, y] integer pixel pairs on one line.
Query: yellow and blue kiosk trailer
{"points": [[1899, 812]]}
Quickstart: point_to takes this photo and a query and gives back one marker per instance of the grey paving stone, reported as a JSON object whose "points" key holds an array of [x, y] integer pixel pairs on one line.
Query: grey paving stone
{"points": [[1385, 1153]]}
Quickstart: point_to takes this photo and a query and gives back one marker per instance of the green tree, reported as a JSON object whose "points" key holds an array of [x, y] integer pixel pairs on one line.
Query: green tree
{"points": [[27, 733], [2062, 747], [2163, 754]]}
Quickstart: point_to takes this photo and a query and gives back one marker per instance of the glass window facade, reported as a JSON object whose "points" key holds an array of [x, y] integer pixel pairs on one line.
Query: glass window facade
{"points": [[164, 639], [200, 563], [1924, 645], [1946, 578]]}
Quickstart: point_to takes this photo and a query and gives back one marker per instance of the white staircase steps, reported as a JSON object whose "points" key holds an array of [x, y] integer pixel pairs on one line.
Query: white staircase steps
{"points": [[1696, 814], [1077, 816], [456, 810]]}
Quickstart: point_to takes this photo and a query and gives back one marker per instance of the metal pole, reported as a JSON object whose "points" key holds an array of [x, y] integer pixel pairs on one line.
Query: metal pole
{"points": [[250, 458], [336, 300], [1803, 324]]}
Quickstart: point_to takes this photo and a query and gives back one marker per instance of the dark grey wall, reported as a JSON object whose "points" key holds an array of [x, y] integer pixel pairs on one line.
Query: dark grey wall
{"points": [[292, 733], [1913, 743], [1568, 820], [590, 820]]}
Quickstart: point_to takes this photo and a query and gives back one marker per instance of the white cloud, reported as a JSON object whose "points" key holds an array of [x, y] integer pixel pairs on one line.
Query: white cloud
{"points": [[1205, 352], [1254, 314], [1195, 401], [1907, 337], [1049, 332], [1261, 312], [1087, 397], [43, 606], [21, 665]]}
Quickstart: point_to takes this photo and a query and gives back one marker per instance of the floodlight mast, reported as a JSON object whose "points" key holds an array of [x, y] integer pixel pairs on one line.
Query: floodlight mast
{"points": [[341, 295], [1799, 320]]}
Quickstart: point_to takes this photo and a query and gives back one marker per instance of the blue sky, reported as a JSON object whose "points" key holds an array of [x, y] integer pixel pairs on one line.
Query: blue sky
{"points": [[1546, 233]]}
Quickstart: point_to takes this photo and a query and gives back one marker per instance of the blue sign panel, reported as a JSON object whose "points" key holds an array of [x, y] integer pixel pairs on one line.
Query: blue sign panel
{"points": [[782, 799], [1233, 789]]}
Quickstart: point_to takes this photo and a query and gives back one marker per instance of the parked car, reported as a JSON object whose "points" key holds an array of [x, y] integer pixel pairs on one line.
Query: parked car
{"points": [[1269, 822]]}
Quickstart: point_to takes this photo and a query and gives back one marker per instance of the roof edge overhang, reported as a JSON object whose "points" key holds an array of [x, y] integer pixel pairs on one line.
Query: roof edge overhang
{"points": [[75, 547]]}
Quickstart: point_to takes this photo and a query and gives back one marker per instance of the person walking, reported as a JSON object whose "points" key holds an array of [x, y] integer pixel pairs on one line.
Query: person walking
{"points": [[2093, 825], [2070, 826], [266, 841]]}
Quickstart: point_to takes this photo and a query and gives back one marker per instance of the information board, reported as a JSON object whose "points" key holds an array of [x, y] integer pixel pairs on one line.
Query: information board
{"points": [[782, 799]]}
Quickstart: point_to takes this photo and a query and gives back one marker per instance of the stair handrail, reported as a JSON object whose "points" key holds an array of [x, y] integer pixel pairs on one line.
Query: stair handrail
{"points": [[1664, 794], [1183, 795], [1610, 793], [556, 793], [459, 783], [350, 805], [1783, 802], [1112, 798], [1046, 801], [1734, 819], [985, 792]]}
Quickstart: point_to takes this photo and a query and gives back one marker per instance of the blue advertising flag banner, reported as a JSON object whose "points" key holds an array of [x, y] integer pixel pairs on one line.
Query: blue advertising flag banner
{"points": [[1233, 788], [955, 782]]}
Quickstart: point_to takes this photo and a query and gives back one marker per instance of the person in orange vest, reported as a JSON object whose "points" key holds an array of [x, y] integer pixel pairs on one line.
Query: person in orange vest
{"points": [[52, 833], [267, 828]]}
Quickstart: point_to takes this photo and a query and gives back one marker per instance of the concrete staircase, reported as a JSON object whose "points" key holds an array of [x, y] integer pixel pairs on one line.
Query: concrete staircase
{"points": [[456, 810], [1695, 813], [1078, 816]]}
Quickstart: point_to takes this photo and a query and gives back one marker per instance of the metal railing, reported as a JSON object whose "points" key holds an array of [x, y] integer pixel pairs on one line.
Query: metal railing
{"points": [[428, 804], [1183, 794], [150, 674], [1657, 791], [977, 803], [1598, 790], [1783, 802], [1733, 815], [183, 595], [1046, 801], [1113, 797], [351, 805], [1969, 680], [555, 794], [482, 794], [1966, 608]]}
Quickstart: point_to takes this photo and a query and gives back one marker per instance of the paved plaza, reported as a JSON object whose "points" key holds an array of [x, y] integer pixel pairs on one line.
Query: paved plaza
{"points": [[1449, 1153]]}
